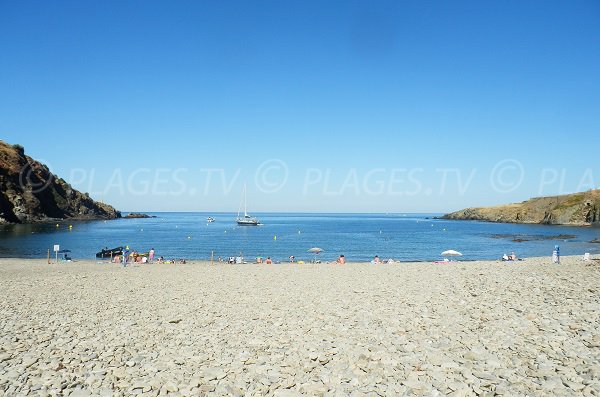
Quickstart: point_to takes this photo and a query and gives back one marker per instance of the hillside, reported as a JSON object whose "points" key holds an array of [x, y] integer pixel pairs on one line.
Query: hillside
{"points": [[29, 192], [578, 209]]}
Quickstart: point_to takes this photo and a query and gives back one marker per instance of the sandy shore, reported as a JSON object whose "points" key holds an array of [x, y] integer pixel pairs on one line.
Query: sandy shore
{"points": [[460, 329]]}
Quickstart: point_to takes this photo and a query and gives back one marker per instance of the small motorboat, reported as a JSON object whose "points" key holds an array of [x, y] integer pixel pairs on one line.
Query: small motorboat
{"points": [[109, 253], [210, 219]]}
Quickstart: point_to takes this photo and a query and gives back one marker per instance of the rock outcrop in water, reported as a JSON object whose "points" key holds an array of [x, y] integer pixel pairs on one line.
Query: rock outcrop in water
{"points": [[138, 215], [578, 209], [30, 193]]}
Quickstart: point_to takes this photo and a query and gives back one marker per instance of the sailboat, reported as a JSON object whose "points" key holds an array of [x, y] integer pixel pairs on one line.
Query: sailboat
{"points": [[246, 220]]}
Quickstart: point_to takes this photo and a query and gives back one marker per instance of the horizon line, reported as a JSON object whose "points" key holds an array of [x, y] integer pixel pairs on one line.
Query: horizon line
{"points": [[288, 212]]}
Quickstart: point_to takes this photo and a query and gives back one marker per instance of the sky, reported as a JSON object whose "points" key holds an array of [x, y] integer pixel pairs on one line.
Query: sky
{"points": [[336, 106]]}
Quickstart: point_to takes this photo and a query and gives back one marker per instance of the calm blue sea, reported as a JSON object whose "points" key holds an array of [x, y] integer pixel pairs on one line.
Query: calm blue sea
{"points": [[359, 237]]}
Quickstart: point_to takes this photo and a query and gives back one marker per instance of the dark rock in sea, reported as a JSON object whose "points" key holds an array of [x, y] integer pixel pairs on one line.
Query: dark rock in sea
{"points": [[561, 237], [520, 238], [137, 215], [30, 193], [511, 236]]}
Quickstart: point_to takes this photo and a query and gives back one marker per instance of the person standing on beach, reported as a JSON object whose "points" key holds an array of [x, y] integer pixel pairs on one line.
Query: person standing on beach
{"points": [[125, 257], [151, 255]]}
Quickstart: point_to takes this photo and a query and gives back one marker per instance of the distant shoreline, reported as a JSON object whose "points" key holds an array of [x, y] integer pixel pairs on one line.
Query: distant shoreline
{"points": [[592, 225]]}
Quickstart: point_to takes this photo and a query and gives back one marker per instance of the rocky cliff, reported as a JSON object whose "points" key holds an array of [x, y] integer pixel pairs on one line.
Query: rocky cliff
{"points": [[29, 192], [579, 209]]}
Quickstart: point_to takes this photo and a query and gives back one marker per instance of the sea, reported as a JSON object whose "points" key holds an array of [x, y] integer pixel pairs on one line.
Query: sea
{"points": [[359, 237]]}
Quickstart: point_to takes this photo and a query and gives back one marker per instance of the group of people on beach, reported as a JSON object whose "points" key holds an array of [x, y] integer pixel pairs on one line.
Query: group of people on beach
{"points": [[511, 257], [341, 260], [132, 256], [377, 260]]}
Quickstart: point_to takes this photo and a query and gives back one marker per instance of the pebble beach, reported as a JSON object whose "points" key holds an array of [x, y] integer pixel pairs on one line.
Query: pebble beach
{"points": [[482, 328]]}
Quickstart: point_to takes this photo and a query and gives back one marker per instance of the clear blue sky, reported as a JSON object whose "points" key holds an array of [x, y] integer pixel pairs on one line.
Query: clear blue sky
{"points": [[317, 106]]}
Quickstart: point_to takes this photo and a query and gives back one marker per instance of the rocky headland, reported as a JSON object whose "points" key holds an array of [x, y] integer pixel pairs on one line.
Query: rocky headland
{"points": [[30, 193], [578, 209]]}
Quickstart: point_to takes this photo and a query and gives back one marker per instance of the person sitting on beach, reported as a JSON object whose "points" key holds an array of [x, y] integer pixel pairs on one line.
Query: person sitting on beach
{"points": [[160, 260], [391, 261], [292, 258], [512, 256], [376, 260], [505, 257], [268, 261], [341, 260]]}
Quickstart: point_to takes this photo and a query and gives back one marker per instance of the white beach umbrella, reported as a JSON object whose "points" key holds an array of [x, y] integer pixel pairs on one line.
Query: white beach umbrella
{"points": [[451, 253], [316, 251]]}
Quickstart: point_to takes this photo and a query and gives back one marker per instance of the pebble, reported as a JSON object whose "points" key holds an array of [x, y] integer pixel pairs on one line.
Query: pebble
{"points": [[171, 387], [80, 393]]}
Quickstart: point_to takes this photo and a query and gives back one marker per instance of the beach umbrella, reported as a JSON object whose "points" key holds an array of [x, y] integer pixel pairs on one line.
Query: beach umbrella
{"points": [[451, 253], [316, 251]]}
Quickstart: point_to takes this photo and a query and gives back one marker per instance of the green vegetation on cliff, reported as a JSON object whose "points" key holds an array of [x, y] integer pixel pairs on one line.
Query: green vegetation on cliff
{"points": [[578, 209], [29, 192]]}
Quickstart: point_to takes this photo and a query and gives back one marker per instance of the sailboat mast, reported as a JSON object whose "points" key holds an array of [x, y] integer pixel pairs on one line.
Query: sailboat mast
{"points": [[247, 220], [245, 210], [240, 208]]}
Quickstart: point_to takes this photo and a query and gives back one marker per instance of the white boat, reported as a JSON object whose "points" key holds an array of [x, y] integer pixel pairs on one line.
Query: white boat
{"points": [[246, 220], [210, 219]]}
